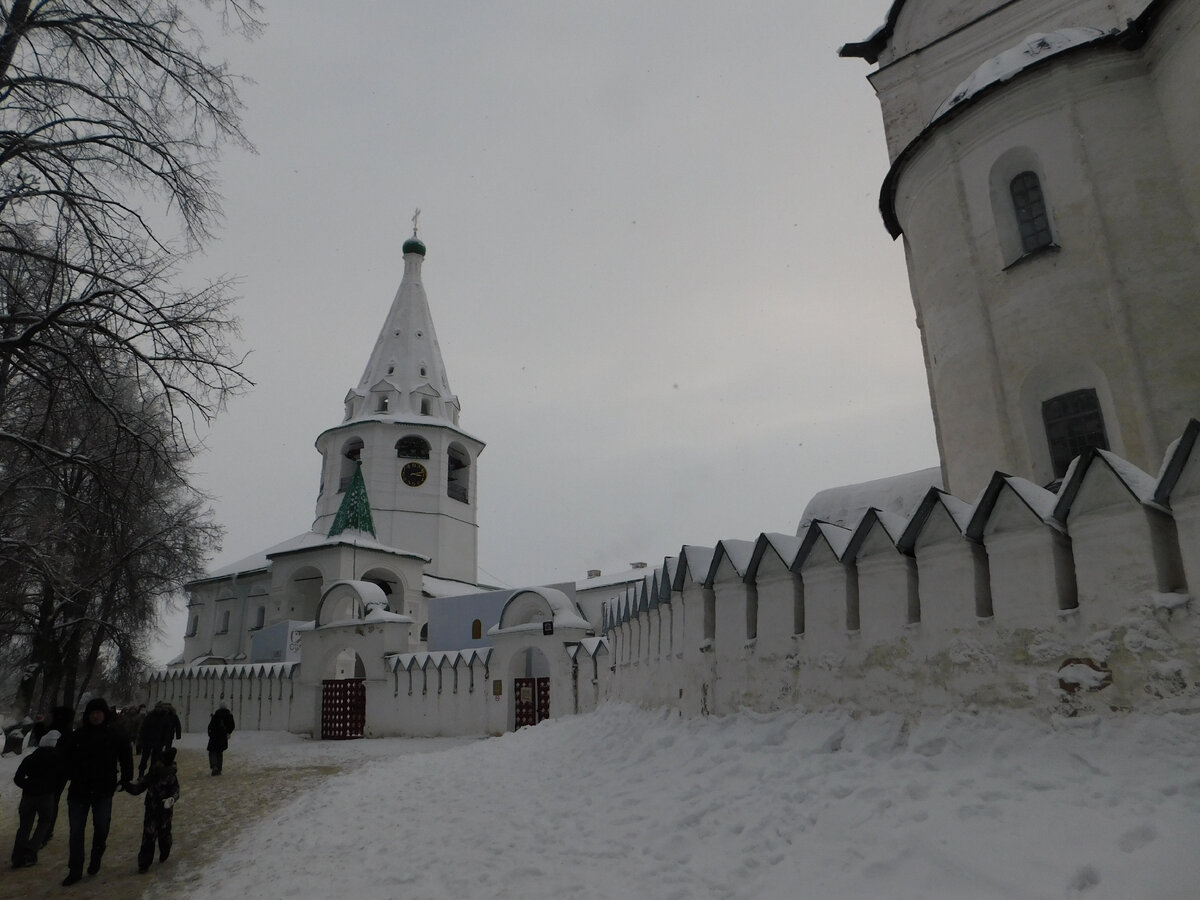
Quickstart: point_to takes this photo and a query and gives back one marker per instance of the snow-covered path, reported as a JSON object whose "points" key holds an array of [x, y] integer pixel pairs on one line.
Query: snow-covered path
{"points": [[628, 803]]}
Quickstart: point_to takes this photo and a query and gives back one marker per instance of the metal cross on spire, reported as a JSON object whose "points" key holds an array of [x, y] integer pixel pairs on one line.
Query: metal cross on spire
{"points": [[416, 216]]}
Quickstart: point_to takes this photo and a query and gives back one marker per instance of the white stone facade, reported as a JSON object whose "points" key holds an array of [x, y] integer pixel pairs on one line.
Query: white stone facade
{"points": [[1045, 182], [996, 602], [1097, 101]]}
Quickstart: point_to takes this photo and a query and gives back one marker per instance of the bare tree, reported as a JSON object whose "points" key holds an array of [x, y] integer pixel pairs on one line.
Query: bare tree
{"points": [[112, 116]]}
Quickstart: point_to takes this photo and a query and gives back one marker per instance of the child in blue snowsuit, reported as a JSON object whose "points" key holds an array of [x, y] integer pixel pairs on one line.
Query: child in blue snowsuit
{"points": [[161, 785]]}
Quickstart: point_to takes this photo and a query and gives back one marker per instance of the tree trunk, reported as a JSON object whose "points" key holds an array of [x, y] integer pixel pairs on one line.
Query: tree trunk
{"points": [[17, 19]]}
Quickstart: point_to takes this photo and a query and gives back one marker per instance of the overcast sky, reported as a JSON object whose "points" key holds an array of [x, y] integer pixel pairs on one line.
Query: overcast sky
{"points": [[658, 275]]}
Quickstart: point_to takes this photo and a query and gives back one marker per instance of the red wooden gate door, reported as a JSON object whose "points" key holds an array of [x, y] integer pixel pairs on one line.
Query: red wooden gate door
{"points": [[532, 697], [343, 708]]}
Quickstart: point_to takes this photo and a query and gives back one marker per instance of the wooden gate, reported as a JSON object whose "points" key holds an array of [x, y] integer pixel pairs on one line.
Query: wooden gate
{"points": [[532, 696], [343, 708]]}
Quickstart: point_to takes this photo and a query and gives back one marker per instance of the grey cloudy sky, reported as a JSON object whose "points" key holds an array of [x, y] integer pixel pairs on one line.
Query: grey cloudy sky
{"points": [[661, 286]]}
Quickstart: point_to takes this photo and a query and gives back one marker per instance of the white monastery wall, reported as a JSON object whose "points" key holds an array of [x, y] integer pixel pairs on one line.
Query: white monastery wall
{"points": [[1058, 602]]}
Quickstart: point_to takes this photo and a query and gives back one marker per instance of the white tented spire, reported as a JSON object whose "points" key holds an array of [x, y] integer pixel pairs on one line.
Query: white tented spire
{"points": [[405, 376]]}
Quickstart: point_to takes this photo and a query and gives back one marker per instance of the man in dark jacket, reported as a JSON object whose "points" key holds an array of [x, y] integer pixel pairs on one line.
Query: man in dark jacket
{"points": [[93, 754], [220, 727], [40, 778], [160, 729]]}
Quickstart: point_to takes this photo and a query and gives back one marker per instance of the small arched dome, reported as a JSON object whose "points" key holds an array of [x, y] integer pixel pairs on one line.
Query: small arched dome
{"points": [[348, 600], [414, 245], [530, 607]]}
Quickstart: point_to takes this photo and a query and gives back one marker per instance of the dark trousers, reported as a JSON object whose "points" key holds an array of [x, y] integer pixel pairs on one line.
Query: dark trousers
{"points": [[53, 817], [29, 838], [77, 813], [149, 755], [214, 761], [156, 829]]}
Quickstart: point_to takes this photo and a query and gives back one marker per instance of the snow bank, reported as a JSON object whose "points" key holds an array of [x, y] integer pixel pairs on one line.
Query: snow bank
{"points": [[628, 803]]}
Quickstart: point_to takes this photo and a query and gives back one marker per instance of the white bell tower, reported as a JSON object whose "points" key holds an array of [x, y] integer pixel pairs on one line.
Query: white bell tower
{"points": [[401, 423]]}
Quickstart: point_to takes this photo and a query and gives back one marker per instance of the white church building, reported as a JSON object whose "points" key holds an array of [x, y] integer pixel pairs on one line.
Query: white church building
{"points": [[1045, 182]]}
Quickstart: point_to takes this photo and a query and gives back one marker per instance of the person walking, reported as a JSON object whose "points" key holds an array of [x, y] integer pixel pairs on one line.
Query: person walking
{"points": [[40, 778], [160, 729], [161, 786], [220, 727], [94, 754]]}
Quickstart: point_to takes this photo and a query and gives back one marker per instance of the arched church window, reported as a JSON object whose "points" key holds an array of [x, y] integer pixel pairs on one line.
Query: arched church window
{"points": [[458, 467], [382, 404], [193, 627], [412, 447], [422, 371], [425, 407], [425, 632], [1073, 423], [260, 618], [351, 454], [476, 630], [224, 629], [1029, 205]]}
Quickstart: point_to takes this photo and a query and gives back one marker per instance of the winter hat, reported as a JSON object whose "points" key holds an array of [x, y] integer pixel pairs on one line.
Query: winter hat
{"points": [[49, 739], [94, 704]]}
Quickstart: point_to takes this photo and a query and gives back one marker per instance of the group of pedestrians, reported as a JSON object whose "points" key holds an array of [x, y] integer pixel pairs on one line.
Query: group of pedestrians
{"points": [[96, 760]]}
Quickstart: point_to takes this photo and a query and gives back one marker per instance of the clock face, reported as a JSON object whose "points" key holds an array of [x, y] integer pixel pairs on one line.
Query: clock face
{"points": [[413, 474]]}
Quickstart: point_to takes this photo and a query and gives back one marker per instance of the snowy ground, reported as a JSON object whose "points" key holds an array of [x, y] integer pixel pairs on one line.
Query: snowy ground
{"points": [[627, 803]]}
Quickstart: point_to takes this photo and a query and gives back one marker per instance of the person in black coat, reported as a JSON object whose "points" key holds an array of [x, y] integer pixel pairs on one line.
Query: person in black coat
{"points": [[160, 729], [62, 720], [40, 777], [220, 727], [161, 785], [94, 754]]}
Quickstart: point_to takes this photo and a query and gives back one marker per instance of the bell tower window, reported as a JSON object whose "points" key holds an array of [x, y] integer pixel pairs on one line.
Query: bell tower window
{"points": [[1073, 423], [458, 465], [1029, 205], [351, 454], [412, 447]]}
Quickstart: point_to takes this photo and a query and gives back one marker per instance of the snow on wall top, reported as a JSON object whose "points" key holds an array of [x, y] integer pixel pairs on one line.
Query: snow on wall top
{"points": [[1001, 68], [846, 505]]}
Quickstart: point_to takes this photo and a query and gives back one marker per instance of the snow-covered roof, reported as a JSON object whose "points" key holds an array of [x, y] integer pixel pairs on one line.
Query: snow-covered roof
{"points": [[694, 561], [893, 525], [451, 658], [260, 670], [433, 586], [389, 419], [846, 505], [1038, 500], [308, 540], [1175, 461], [612, 580], [525, 610], [739, 554], [960, 513], [836, 536], [1140, 485], [1014, 60]]}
